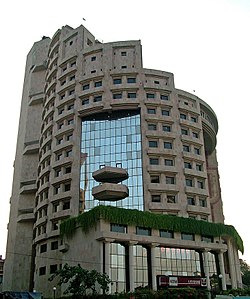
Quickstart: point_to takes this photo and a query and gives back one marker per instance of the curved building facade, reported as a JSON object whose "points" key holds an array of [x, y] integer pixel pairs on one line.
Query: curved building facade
{"points": [[96, 128]]}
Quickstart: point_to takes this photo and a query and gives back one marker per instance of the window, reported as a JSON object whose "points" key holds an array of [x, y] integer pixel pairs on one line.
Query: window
{"points": [[62, 96], [131, 95], [166, 128], [186, 148], [70, 122], [67, 187], [85, 102], [169, 162], [71, 106], [118, 228], [124, 66], [193, 119], [55, 207], [54, 245], [69, 153], [191, 200], [184, 131], [154, 161], [189, 182], [117, 81], [168, 145], [73, 63], [55, 226], [69, 137], [123, 53], [165, 112], [98, 83], [59, 156], [204, 218], [151, 111], [93, 58], [152, 127], [187, 165], [183, 116], [117, 95], [166, 234], [43, 248], [57, 189], [203, 202], [195, 134], [72, 78], [156, 82], [197, 151], [97, 99], [85, 87], [201, 184], [188, 237], [153, 143], [150, 95], [164, 97], [207, 239], [60, 140], [42, 271], [170, 180], [199, 167], [131, 80], [171, 198], [60, 111], [155, 179], [66, 205], [143, 231], [156, 198], [53, 269], [68, 169]]}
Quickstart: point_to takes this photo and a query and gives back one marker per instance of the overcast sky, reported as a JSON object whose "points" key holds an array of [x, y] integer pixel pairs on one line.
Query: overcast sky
{"points": [[205, 43]]}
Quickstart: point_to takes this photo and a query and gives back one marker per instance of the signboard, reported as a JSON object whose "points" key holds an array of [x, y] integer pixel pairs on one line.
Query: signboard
{"points": [[181, 281]]}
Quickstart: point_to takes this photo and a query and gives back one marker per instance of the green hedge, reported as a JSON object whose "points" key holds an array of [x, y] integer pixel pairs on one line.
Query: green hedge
{"points": [[110, 214]]}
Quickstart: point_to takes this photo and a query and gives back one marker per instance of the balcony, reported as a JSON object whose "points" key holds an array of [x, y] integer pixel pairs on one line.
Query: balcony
{"points": [[111, 192], [110, 174]]}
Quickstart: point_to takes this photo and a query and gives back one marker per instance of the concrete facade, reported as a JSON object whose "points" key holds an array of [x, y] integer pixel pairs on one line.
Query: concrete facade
{"points": [[72, 77]]}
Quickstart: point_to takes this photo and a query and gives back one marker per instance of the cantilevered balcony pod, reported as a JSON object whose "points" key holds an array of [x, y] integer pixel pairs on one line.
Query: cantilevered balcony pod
{"points": [[110, 192], [109, 174], [109, 189]]}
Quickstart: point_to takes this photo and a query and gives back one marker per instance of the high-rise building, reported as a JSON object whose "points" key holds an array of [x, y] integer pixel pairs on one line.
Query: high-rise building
{"points": [[97, 129]]}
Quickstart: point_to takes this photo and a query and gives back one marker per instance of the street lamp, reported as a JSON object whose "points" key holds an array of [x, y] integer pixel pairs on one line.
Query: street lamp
{"points": [[54, 292]]}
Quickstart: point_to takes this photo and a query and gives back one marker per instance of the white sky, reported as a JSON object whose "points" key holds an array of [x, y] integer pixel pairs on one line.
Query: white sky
{"points": [[205, 43]]}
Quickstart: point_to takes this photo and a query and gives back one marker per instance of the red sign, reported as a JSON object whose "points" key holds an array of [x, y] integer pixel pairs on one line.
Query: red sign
{"points": [[181, 281]]}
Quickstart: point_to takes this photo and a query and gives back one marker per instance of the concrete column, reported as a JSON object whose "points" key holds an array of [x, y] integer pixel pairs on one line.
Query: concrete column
{"points": [[237, 267], [107, 269], [232, 265], [107, 258], [222, 270], [153, 266], [206, 267], [131, 266]]}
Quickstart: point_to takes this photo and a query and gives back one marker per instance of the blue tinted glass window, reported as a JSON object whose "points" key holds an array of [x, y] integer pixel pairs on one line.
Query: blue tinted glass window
{"points": [[115, 140]]}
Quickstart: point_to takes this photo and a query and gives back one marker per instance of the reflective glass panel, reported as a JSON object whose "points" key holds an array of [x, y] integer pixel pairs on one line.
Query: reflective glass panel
{"points": [[112, 140]]}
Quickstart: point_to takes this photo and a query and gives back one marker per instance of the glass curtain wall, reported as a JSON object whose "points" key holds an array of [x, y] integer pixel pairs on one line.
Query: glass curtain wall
{"points": [[141, 266], [177, 261], [112, 140], [118, 268]]}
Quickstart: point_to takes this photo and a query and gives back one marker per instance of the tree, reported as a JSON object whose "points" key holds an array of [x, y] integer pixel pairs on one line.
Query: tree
{"points": [[79, 280], [245, 269]]}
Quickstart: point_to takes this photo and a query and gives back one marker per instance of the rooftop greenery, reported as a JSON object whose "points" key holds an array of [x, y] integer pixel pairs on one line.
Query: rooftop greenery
{"points": [[87, 220]]}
